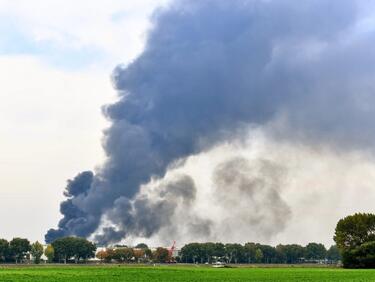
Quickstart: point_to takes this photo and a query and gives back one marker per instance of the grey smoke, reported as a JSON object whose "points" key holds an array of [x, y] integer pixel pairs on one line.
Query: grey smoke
{"points": [[79, 185], [254, 188], [211, 67], [246, 192], [146, 214], [73, 215]]}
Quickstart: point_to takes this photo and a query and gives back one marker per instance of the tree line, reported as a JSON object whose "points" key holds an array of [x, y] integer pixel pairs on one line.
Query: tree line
{"points": [[258, 253], [75, 250], [139, 254], [19, 250]]}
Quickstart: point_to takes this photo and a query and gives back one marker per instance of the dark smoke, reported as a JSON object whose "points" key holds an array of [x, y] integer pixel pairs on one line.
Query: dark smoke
{"points": [[79, 185], [73, 215], [211, 67]]}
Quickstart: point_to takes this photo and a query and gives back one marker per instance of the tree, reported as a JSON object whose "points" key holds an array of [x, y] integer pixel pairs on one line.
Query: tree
{"points": [[141, 246], [128, 254], [84, 249], [73, 247], [161, 255], [203, 252], [354, 230], [192, 252], [315, 251], [289, 253], [354, 237], [139, 254], [148, 254], [269, 253], [333, 254], [49, 252], [36, 251], [258, 255], [123, 254], [19, 248], [219, 250], [249, 252], [208, 251], [64, 248], [109, 255], [4, 250], [102, 255], [364, 255], [234, 252]]}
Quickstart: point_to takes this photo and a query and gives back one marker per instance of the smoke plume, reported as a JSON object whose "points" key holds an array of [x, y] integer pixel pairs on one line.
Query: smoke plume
{"points": [[302, 71]]}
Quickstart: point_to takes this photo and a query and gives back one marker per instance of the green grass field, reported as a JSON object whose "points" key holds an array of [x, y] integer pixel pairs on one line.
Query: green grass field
{"points": [[176, 273]]}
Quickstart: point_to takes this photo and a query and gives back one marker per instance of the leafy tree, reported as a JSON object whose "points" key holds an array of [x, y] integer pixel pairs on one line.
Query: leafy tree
{"points": [[219, 250], [128, 254], [102, 255], [269, 253], [192, 252], [354, 237], [19, 248], [109, 255], [161, 255], [139, 254], [333, 254], [234, 252], [315, 251], [249, 252], [36, 251], [364, 255], [78, 248], [208, 251], [148, 254], [84, 249], [4, 250], [289, 253], [258, 255], [202, 252], [64, 248], [49, 252], [354, 230], [123, 254], [141, 246]]}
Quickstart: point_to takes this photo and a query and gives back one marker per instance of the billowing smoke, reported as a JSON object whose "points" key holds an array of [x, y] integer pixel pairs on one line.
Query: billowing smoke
{"points": [[149, 212], [73, 215], [302, 71]]}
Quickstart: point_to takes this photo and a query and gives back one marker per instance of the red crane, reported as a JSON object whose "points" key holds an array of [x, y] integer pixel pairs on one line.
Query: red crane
{"points": [[170, 252]]}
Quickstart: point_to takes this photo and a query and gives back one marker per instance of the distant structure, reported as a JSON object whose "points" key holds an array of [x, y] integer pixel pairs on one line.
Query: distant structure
{"points": [[172, 250]]}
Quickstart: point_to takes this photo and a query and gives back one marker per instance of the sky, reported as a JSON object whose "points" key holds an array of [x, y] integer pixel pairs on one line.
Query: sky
{"points": [[56, 58], [231, 139]]}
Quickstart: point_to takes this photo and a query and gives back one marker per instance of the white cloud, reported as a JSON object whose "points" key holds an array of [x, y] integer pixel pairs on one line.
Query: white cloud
{"points": [[50, 128], [115, 27], [50, 118]]}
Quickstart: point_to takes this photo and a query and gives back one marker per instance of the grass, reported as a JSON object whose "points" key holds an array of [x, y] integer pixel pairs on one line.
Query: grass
{"points": [[178, 273]]}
